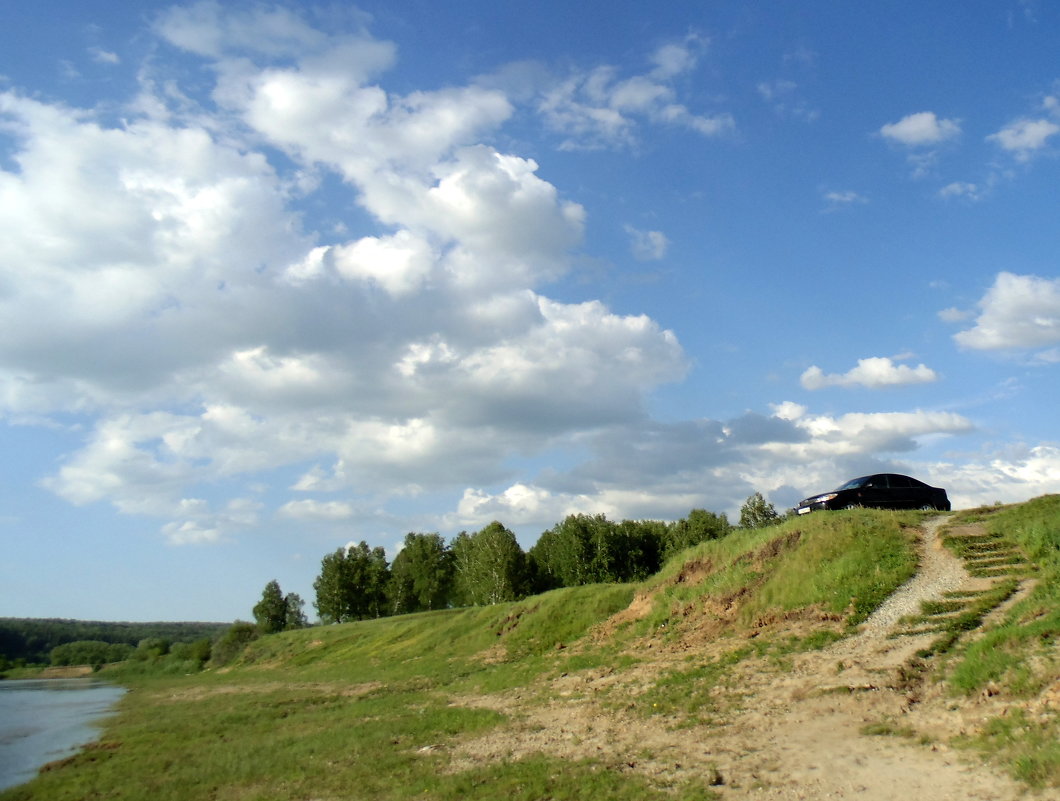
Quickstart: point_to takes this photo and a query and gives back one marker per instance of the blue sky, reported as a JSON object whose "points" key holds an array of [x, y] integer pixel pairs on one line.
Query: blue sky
{"points": [[275, 278]]}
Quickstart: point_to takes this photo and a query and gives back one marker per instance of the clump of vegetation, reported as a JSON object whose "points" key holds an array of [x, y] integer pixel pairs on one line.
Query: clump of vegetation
{"points": [[1017, 655]]}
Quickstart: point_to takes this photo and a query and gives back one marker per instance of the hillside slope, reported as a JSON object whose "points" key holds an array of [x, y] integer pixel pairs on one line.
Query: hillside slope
{"points": [[847, 655]]}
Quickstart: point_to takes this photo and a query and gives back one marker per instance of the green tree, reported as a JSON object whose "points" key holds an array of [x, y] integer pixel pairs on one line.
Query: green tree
{"points": [[421, 576], [270, 613], [699, 526], [582, 549], [90, 652], [640, 543], [756, 512], [352, 584], [490, 566], [332, 589], [295, 606], [197, 652], [151, 649], [586, 549]]}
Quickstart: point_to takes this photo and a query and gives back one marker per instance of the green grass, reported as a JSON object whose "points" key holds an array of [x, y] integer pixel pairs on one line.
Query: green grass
{"points": [[1030, 747], [1018, 656], [840, 565], [1030, 629], [378, 709]]}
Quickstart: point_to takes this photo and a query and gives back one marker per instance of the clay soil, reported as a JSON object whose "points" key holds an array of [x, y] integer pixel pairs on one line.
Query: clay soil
{"points": [[852, 721]]}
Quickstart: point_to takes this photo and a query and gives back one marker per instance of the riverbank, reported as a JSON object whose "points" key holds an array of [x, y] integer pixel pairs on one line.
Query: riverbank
{"points": [[37, 672], [47, 719]]}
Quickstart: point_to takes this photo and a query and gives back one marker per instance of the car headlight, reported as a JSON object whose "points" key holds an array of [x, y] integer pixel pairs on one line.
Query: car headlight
{"points": [[823, 498]]}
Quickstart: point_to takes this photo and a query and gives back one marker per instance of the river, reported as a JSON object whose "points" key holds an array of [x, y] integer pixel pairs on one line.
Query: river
{"points": [[48, 719]]}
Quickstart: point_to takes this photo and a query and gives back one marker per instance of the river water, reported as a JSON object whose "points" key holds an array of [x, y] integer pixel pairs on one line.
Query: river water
{"points": [[48, 719]]}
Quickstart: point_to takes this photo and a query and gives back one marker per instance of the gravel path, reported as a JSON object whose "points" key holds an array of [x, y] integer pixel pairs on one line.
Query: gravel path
{"points": [[939, 572]]}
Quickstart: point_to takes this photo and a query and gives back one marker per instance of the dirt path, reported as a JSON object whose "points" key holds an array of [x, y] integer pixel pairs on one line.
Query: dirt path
{"points": [[797, 730]]}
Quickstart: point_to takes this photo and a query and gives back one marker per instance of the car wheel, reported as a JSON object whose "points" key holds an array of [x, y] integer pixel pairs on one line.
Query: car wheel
{"points": [[852, 506], [927, 507]]}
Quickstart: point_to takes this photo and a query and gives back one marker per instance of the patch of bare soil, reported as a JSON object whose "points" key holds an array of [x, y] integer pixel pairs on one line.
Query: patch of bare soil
{"points": [[69, 672], [775, 731]]}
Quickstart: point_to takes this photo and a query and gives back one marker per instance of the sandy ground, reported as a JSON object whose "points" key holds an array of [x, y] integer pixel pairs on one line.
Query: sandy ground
{"points": [[787, 731], [71, 672]]}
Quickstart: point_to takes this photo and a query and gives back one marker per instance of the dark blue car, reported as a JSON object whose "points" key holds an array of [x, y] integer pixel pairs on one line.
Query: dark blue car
{"points": [[882, 491]]}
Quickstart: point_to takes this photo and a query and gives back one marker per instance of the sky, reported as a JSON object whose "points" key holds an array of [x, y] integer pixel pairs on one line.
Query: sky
{"points": [[277, 278]]}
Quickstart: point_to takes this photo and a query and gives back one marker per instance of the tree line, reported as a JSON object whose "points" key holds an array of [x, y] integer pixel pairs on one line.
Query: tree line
{"points": [[25, 641], [489, 566]]}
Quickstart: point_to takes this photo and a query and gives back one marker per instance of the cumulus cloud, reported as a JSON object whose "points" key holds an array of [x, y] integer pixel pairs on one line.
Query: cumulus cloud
{"points": [[921, 129], [160, 283], [875, 372], [1019, 312], [1012, 476], [1024, 138], [921, 134]]}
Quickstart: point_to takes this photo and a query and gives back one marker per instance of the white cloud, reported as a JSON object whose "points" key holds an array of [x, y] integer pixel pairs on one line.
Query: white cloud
{"points": [[955, 315], [399, 263], [598, 109], [1010, 477], [207, 28], [519, 504], [317, 480], [189, 532], [101, 56], [320, 510], [921, 129], [677, 58], [647, 245], [874, 373], [1019, 312], [839, 199], [1025, 137], [788, 410], [415, 354], [784, 97], [962, 189]]}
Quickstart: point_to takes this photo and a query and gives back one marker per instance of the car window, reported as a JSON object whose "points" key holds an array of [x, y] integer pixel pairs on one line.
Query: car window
{"points": [[900, 482], [856, 483], [918, 484]]}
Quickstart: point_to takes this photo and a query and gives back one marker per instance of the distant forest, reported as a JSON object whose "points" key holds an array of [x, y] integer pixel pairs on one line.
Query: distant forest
{"points": [[31, 640]]}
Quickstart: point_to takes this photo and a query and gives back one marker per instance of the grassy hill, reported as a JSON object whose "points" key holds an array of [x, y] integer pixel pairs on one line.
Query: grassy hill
{"points": [[647, 691]]}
